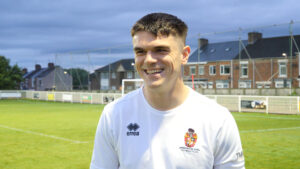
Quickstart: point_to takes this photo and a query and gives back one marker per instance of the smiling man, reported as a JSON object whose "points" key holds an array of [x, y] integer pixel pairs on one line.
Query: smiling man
{"points": [[165, 124]]}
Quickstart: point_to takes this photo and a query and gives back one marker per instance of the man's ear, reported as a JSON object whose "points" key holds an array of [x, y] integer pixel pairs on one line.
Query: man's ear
{"points": [[185, 54]]}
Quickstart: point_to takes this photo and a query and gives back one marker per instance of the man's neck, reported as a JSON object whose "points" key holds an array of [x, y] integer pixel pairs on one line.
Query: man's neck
{"points": [[166, 99]]}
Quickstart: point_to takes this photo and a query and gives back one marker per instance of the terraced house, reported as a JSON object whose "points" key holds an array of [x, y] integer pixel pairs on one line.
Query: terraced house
{"points": [[254, 63], [48, 78]]}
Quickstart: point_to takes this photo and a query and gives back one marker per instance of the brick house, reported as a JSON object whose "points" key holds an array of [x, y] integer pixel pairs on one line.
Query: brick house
{"points": [[262, 63], [49, 78], [110, 77]]}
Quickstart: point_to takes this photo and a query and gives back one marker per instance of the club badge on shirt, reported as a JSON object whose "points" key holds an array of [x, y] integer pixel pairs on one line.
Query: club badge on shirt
{"points": [[190, 140]]}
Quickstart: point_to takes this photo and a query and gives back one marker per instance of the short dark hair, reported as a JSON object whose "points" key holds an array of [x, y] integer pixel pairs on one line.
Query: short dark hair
{"points": [[161, 24]]}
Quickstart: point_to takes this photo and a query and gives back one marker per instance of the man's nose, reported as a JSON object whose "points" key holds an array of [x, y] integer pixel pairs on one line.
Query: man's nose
{"points": [[150, 58]]}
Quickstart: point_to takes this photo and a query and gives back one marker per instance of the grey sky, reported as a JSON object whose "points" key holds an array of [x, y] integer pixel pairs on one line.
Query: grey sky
{"points": [[34, 31]]}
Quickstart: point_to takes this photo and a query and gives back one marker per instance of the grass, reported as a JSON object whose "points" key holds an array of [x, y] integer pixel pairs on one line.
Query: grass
{"points": [[269, 141]]}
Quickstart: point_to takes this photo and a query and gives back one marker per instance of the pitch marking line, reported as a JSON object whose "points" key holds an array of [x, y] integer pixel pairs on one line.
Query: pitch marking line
{"points": [[44, 135], [266, 130], [283, 118]]}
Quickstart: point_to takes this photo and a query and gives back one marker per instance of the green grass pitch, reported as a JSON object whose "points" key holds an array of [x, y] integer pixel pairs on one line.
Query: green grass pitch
{"points": [[46, 135]]}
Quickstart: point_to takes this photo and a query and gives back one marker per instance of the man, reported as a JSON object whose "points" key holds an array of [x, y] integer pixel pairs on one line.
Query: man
{"points": [[165, 124]]}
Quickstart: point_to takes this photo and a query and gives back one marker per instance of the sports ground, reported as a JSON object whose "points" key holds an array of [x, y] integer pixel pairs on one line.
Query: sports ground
{"points": [[46, 135]]}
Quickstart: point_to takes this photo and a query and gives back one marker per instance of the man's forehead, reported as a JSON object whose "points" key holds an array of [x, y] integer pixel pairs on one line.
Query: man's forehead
{"points": [[141, 38]]}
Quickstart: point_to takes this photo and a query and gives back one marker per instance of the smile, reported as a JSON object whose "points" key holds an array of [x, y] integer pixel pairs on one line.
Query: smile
{"points": [[154, 71]]}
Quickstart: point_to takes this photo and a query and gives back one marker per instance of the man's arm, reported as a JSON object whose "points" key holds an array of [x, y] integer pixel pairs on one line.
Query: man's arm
{"points": [[228, 153], [104, 154]]}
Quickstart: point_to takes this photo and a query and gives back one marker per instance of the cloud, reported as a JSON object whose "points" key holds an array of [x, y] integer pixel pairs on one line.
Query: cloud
{"points": [[36, 31]]}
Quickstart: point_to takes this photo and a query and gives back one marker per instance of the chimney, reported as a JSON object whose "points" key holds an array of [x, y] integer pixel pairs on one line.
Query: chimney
{"points": [[51, 65], [24, 71], [202, 42], [253, 37], [38, 67]]}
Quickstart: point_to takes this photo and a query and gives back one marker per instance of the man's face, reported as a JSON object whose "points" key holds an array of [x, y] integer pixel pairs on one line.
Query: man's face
{"points": [[158, 59]]}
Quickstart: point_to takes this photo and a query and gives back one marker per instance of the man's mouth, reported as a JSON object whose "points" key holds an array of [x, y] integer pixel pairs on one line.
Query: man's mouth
{"points": [[153, 71]]}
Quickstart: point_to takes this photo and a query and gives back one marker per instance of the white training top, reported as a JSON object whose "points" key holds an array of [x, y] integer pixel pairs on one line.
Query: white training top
{"points": [[198, 134]]}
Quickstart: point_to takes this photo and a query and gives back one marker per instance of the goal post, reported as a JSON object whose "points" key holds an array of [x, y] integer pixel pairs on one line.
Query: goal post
{"points": [[133, 83]]}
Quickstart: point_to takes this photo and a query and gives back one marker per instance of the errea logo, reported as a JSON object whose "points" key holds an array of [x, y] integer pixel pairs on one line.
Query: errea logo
{"points": [[133, 127]]}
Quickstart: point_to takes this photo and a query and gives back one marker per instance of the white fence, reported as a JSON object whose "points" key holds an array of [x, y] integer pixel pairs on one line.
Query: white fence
{"points": [[237, 103]]}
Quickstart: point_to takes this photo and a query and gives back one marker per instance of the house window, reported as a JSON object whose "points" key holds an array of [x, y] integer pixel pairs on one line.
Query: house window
{"points": [[104, 75], [192, 70], [203, 85], [104, 81], [245, 84], [113, 87], [210, 85], [212, 70], [40, 83], [129, 75], [283, 84], [244, 70], [225, 70], [201, 69], [113, 75], [136, 75], [282, 69], [222, 84]]}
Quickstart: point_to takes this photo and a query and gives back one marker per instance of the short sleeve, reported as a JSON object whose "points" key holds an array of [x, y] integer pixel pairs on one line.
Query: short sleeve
{"points": [[228, 153], [104, 153]]}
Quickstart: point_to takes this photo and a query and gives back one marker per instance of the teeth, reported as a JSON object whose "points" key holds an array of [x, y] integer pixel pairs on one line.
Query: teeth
{"points": [[153, 71]]}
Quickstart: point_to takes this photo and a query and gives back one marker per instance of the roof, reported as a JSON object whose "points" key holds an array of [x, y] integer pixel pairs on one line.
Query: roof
{"points": [[220, 51], [33, 73], [38, 73], [126, 63], [46, 72], [262, 48], [270, 48]]}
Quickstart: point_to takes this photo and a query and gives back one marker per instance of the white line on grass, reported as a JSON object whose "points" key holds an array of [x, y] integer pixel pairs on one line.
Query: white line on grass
{"points": [[268, 117], [266, 130], [44, 135]]}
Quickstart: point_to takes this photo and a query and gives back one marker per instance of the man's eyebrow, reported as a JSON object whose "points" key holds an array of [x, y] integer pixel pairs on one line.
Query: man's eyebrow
{"points": [[137, 48], [162, 47]]}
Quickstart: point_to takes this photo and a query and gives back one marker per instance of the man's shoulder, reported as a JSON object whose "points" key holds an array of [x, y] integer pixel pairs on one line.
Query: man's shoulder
{"points": [[125, 101], [207, 104]]}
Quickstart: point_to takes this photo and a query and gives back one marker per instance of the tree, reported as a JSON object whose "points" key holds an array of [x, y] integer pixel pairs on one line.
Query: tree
{"points": [[80, 78], [10, 77]]}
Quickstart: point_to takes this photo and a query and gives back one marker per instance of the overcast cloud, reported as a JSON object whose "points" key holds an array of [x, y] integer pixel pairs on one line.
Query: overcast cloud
{"points": [[37, 32]]}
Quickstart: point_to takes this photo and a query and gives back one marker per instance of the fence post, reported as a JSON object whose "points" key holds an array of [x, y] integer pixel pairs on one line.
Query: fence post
{"points": [[91, 98], [239, 103], [267, 106], [80, 97], [298, 106]]}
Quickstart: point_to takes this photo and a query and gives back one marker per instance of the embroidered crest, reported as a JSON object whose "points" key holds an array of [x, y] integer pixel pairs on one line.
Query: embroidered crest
{"points": [[190, 138]]}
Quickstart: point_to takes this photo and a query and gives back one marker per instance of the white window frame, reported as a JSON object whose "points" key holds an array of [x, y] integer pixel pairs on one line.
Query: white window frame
{"points": [[129, 75], [244, 66], [201, 70], [212, 70], [222, 70], [203, 85], [280, 84], [104, 75], [244, 85], [113, 75], [280, 66], [210, 85], [192, 70]]}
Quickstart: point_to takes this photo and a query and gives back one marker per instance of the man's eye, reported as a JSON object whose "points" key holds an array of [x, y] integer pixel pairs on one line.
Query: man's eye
{"points": [[139, 52], [161, 50]]}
